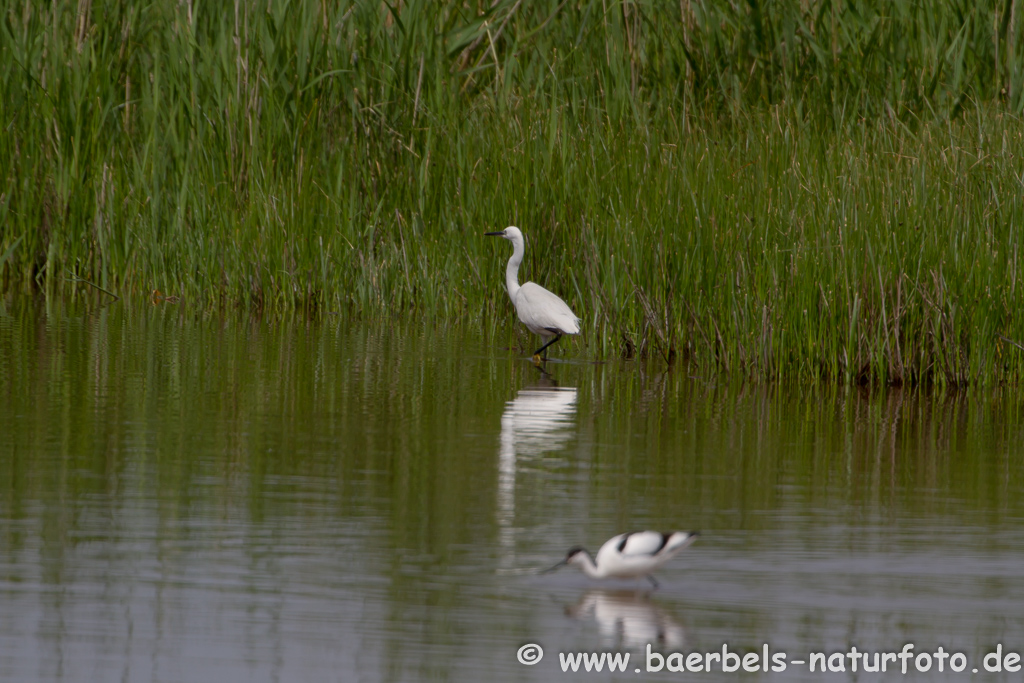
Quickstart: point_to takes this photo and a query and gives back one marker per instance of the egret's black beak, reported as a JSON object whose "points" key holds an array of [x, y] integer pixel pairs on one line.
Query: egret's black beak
{"points": [[557, 566], [500, 233]]}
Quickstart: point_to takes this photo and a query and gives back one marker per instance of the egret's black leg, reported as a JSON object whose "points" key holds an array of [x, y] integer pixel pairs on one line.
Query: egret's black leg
{"points": [[536, 354], [654, 581]]}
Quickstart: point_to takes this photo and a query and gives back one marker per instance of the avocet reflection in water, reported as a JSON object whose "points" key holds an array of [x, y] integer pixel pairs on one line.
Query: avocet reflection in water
{"points": [[629, 619]]}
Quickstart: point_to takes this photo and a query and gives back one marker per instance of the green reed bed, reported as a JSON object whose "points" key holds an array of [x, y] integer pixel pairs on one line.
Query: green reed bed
{"points": [[778, 190]]}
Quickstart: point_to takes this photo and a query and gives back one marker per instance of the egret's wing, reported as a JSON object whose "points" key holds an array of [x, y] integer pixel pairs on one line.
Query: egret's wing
{"points": [[540, 310]]}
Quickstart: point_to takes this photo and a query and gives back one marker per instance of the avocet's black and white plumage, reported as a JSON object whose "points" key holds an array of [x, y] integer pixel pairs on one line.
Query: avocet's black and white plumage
{"points": [[630, 555], [542, 311]]}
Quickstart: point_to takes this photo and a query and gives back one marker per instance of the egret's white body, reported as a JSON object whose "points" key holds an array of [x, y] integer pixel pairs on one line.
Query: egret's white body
{"points": [[630, 555], [542, 311]]}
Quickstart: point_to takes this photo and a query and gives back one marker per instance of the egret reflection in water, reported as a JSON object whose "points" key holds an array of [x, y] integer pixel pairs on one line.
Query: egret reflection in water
{"points": [[629, 619], [540, 419]]}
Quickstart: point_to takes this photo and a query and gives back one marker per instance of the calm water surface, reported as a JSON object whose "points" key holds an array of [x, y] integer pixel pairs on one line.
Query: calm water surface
{"points": [[186, 497]]}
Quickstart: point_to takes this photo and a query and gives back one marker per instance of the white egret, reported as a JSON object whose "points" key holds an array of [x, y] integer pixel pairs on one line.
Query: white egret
{"points": [[542, 311], [630, 555]]}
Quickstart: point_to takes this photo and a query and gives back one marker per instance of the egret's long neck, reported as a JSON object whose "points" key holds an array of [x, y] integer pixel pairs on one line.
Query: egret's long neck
{"points": [[512, 269]]}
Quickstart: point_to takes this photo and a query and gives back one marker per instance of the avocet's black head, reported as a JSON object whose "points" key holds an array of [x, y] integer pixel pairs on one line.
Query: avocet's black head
{"points": [[578, 556], [573, 552]]}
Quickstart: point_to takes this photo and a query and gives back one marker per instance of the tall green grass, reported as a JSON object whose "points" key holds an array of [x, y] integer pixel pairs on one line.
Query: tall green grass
{"points": [[783, 190]]}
